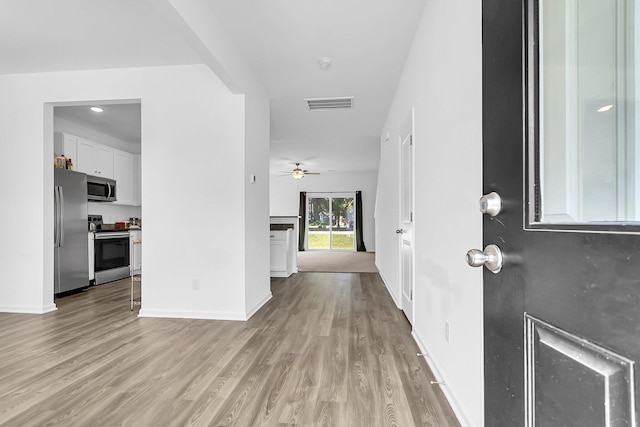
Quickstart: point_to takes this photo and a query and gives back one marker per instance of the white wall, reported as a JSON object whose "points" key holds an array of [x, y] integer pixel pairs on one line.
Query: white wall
{"points": [[193, 181], [256, 202], [112, 213], [387, 214], [199, 27], [442, 80], [285, 195]]}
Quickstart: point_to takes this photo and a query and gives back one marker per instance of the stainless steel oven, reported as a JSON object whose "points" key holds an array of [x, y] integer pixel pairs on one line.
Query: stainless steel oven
{"points": [[111, 253]]}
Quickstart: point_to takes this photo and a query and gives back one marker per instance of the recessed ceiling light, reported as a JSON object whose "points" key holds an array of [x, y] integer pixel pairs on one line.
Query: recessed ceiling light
{"points": [[97, 109], [605, 108]]}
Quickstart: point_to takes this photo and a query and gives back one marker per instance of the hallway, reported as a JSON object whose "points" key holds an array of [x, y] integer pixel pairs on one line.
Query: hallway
{"points": [[328, 349]]}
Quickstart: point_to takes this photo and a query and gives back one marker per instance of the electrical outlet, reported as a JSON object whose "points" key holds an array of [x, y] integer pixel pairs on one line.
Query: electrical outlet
{"points": [[195, 284], [446, 331]]}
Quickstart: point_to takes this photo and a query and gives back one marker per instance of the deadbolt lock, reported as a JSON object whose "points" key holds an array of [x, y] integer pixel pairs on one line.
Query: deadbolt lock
{"points": [[490, 204]]}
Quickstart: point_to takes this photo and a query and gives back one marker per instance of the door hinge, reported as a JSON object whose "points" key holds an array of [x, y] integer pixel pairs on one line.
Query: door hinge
{"points": [[411, 295], [410, 139], [411, 217]]}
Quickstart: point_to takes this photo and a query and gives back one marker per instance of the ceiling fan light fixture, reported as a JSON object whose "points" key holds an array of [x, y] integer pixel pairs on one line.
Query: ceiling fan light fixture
{"points": [[297, 173]]}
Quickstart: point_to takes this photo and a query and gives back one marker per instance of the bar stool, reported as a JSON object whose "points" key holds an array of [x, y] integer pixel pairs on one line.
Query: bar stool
{"points": [[136, 275]]}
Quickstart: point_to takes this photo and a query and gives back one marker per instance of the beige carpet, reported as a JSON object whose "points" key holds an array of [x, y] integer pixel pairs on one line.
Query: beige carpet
{"points": [[337, 262]]}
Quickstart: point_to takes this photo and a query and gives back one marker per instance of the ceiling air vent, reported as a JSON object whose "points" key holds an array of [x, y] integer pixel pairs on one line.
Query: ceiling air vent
{"points": [[345, 102]]}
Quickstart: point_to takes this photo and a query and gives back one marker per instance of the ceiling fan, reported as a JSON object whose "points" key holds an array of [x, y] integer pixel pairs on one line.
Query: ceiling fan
{"points": [[299, 173]]}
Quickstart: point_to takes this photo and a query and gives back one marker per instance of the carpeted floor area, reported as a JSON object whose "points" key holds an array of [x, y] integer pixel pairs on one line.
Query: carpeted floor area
{"points": [[337, 262]]}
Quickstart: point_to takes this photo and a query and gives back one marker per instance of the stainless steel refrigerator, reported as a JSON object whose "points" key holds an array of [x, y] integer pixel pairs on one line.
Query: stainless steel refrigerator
{"points": [[71, 256]]}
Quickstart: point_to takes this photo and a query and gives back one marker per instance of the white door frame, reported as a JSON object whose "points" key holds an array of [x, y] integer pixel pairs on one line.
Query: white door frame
{"points": [[406, 218]]}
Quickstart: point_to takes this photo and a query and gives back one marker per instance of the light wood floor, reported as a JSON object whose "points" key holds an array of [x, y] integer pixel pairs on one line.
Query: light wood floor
{"points": [[329, 349]]}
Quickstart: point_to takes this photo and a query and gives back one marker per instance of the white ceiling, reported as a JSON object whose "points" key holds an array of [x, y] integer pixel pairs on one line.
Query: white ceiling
{"points": [[122, 121], [63, 35], [281, 40]]}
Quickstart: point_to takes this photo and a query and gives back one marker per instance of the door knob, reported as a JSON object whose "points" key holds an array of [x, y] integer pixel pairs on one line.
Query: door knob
{"points": [[399, 231], [490, 204], [490, 258]]}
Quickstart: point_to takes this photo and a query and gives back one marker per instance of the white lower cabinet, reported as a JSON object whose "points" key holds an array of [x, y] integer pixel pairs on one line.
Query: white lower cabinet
{"points": [[280, 259], [135, 251]]}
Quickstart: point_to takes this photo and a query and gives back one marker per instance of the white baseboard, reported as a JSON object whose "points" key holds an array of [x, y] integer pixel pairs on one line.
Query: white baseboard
{"points": [[386, 284], [280, 274], [28, 309], [205, 315], [453, 402], [49, 308], [258, 306]]}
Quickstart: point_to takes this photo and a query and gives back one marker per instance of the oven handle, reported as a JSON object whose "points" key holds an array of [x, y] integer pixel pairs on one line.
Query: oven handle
{"points": [[112, 235]]}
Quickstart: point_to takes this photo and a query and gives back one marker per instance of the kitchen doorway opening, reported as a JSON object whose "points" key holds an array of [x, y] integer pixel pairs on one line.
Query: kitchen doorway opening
{"points": [[331, 222], [99, 144]]}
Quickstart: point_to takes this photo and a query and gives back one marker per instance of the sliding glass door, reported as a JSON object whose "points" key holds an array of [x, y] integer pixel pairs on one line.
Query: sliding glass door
{"points": [[331, 221]]}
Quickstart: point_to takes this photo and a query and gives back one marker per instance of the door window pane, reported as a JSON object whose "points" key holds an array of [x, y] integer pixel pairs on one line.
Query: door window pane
{"points": [[586, 95], [319, 222], [342, 223]]}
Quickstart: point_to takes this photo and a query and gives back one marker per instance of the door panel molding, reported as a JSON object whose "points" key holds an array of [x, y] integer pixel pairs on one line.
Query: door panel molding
{"points": [[573, 381]]}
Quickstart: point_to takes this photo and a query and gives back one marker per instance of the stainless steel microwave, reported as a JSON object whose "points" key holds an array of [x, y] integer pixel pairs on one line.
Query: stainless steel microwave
{"points": [[101, 189]]}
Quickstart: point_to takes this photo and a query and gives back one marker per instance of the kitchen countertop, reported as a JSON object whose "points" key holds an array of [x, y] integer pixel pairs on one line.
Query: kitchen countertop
{"points": [[277, 227], [112, 230]]}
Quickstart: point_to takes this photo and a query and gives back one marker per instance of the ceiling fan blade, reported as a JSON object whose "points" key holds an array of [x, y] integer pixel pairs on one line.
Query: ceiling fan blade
{"points": [[312, 173]]}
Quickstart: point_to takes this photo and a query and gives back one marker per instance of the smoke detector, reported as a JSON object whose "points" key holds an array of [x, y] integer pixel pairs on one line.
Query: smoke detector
{"points": [[325, 62]]}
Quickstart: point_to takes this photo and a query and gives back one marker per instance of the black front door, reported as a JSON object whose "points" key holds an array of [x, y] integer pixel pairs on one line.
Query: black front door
{"points": [[562, 317]]}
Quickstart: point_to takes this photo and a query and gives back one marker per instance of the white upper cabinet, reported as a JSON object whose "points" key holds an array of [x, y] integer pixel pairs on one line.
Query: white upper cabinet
{"points": [[94, 159], [125, 174], [66, 144], [101, 160], [137, 180]]}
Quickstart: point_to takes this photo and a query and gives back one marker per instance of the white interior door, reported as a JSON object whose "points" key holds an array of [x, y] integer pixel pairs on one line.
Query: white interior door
{"points": [[406, 220]]}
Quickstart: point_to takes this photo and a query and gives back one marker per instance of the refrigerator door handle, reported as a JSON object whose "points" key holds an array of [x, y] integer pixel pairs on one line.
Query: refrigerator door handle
{"points": [[56, 219], [61, 217], [55, 216]]}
